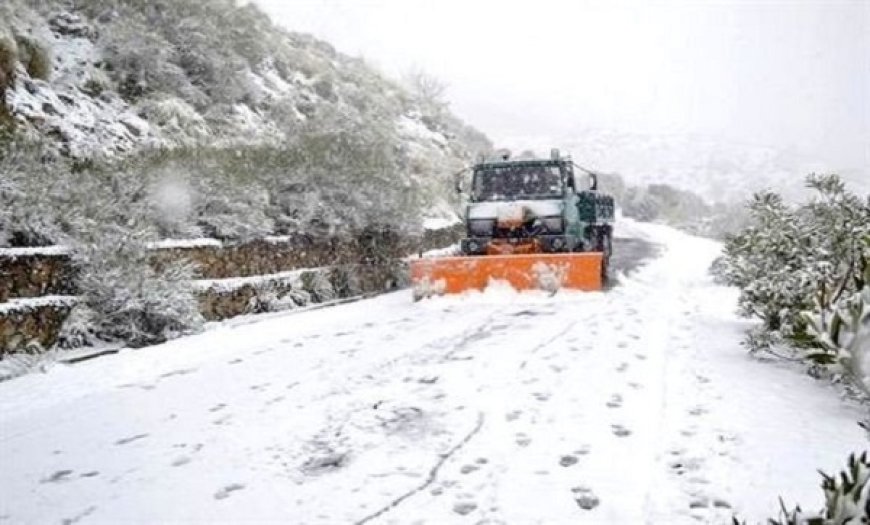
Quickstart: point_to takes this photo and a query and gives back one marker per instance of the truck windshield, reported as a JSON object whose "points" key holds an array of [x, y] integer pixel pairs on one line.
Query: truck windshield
{"points": [[498, 183]]}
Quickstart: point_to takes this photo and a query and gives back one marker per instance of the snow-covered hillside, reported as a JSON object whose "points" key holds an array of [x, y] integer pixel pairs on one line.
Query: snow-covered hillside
{"points": [[717, 170], [121, 76], [637, 405]]}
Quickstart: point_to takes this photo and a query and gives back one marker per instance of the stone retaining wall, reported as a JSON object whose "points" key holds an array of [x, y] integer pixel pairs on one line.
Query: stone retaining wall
{"points": [[370, 263], [35, 275], [24, 326]]}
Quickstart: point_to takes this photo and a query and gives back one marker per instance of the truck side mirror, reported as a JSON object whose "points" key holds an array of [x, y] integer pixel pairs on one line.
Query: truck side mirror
{"points": [[572, 184], [593, 182]]}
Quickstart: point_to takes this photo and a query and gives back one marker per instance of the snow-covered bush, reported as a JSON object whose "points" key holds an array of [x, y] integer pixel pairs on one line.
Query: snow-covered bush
{"points": [[132, 301], [847, 499], [34, 358], [842, 332], [32, 185], [140, 61], [78, 329], [801, 271]]}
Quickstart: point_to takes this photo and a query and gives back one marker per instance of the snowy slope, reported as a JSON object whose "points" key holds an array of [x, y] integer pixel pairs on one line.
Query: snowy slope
{"points": [[632, 406], [137, 75]]}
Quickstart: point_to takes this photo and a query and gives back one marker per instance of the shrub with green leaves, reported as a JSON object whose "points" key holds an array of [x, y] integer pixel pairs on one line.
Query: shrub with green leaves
{"points": [[794, 259], [847, 499]]}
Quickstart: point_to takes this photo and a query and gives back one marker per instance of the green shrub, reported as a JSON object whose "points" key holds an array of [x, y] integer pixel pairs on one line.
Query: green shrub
{"points": [[846, 499]]}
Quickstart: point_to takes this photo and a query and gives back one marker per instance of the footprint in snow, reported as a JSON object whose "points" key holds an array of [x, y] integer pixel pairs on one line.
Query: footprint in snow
{"points": [[541, 396], [468, 469], [464, 508], [568, 460], [127, 440], [523, 440], [585, 498], [225, 492], [275, 400], [180, 461], [615, 401], [622, 367], [222, 421], [513, 415], [58, 476], [620, 431], [180, 372], [682, 466]]}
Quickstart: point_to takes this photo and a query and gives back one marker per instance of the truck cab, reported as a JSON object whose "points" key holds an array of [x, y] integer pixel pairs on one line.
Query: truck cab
{"points": [[535, 206]]}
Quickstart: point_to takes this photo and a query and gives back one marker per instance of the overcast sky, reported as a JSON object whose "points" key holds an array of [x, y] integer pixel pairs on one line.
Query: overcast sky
{"points": [[783, 73]]}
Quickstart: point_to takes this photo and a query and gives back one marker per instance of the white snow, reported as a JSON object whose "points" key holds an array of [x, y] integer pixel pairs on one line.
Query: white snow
{"points": [[506, 407], [415, 129], [46, 251], [89, 125], [491, 210], [278, 239], [33, 303], [440, 223], [234, 283], [453, 249], [167, 244]]}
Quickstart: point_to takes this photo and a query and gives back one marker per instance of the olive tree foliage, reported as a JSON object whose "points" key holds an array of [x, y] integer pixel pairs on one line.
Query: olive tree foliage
{"points": [[847, 498], [802, 271]]}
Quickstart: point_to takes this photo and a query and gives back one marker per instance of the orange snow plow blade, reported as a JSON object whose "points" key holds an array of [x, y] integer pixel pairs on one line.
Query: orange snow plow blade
{"points": [[539, 271]]}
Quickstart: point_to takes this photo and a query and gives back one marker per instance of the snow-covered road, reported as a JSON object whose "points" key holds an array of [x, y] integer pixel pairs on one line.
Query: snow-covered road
{"points": [[632, 406]]}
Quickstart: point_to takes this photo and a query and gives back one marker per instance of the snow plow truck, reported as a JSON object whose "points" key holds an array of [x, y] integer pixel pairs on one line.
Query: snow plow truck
{"points": [[529, 223]]}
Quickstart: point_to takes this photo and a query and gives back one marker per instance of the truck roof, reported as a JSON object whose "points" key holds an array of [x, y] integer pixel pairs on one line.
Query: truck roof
{"points": [[524, 162]]}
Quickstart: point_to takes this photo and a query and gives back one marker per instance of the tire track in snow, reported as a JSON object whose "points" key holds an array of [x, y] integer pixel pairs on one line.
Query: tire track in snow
{"points": [[433, 473]]}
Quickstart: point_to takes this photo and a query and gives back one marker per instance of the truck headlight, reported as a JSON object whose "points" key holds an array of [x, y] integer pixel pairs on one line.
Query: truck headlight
{"points": [[554, 224], [481, 227]]}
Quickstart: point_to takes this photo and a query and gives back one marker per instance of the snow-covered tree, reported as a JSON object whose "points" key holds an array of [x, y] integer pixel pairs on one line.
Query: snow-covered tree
{"points": [[802, 270]]}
